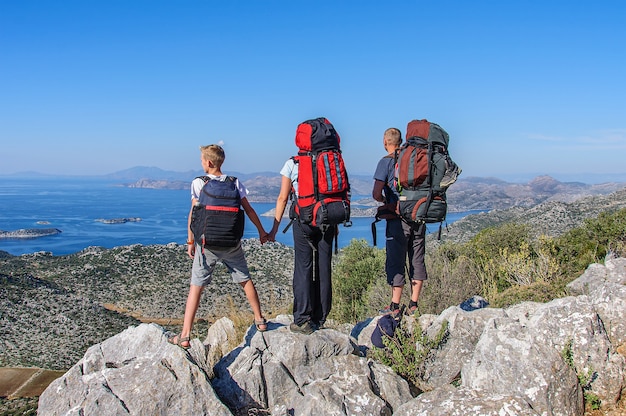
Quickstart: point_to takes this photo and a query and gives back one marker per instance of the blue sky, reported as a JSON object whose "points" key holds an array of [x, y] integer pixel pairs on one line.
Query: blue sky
{"points": [[522, 87]]}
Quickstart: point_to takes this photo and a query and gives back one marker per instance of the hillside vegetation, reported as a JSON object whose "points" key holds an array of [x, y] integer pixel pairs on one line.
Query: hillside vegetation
{"points": [[505, 256], [55, 307]]}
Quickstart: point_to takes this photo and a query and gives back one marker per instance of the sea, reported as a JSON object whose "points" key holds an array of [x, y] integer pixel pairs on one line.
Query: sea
{"points": [[75, 206]]}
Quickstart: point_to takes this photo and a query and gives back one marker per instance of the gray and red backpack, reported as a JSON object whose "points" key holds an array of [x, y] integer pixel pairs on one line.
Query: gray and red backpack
{"points": [[424, 171]]}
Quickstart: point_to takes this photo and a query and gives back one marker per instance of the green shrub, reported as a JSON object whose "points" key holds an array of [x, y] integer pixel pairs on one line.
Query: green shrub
{"points": [[358, 267], [535, 292], [407, 352], [452, 278], [581, 246]]}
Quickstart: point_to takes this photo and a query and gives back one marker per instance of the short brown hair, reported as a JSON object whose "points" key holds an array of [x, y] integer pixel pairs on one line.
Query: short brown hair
{"points": [[214, 153], [393, 136]]}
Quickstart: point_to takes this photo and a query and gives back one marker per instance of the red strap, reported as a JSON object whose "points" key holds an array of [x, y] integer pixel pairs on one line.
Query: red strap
{"points": [[220, 208]]}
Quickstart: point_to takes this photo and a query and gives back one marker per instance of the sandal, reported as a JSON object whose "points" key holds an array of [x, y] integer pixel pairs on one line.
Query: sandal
{"points": [[261, 325], [178, 340]]}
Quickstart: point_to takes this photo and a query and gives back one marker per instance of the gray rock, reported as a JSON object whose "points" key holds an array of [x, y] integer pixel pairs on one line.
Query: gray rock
{"points": [[450, 401], [572, 326], [280, 372], [464, 331], [606, 287], [508, 360], [523, 360], [220, 340], [135, 372], [613, 271]]}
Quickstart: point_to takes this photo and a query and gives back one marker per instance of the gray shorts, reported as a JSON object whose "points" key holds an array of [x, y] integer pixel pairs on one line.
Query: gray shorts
{"points": [[404, 241], [204, 262]]}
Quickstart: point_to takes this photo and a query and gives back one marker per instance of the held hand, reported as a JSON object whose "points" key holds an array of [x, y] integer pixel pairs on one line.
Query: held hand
{"points": [[272, 235], [264, 237], [274, 230]]}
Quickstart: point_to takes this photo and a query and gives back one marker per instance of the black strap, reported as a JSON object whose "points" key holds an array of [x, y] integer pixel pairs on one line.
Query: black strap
{"points": [[291, 221], [374, 230]]}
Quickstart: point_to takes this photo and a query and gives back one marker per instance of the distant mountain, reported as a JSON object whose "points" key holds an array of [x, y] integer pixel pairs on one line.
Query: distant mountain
{"points": [[152, 173], [472, 193], [263, 186], [490, 193], [149, 173], [552, 217]]}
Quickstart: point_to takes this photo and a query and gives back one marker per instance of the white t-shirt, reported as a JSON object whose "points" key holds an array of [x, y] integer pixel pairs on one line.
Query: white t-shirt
{"points": [[198, 183], [290, 170]]}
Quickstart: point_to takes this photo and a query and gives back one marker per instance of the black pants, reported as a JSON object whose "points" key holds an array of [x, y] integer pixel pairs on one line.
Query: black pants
{"points": [[312, 288]]}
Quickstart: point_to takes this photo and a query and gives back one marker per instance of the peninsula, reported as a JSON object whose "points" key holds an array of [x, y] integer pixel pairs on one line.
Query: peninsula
{"points": [[29, 233]]}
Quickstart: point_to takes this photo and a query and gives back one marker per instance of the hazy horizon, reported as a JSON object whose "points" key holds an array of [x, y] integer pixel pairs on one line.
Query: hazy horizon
{"points": [[587, 178]]}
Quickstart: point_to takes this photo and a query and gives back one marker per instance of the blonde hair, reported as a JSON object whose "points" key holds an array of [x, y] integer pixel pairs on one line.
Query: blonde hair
{"points": [[213, 153], [393, 136]]}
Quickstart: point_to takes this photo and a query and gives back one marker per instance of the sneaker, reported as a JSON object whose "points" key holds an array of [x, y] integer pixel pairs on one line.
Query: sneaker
{"points": [[389, 311], [305, 328]]}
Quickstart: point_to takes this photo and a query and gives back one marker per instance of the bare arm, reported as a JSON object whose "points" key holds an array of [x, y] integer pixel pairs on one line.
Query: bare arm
{"points": [[377, 191], [281, 204], [191, 248], [251, 213]]}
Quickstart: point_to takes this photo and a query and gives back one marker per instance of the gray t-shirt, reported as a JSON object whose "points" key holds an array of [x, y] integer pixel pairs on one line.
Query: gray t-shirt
{"points": [[386, 172]]}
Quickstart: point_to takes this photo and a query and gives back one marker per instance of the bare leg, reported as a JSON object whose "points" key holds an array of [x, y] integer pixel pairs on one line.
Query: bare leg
{"points": [[193, 300], [253, 299], [416, 288], [396, 294]]}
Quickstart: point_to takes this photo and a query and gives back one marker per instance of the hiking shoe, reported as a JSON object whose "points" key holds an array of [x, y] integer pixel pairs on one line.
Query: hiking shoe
{"points": [[318, 325], [304, 328], [450, 175], [389, 311]]}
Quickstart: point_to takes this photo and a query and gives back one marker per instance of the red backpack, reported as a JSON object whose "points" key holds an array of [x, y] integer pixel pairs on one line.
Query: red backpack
{"points": [[323, 189]]}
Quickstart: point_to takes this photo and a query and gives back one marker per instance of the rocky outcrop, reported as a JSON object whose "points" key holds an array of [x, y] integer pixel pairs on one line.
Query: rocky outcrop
{"points": [[319, 374], [136, 372], [529, 359]]}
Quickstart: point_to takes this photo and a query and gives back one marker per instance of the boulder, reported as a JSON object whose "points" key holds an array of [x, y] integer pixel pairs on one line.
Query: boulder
{"points": [[322, 373], [220, 340], [528, 359], [606, 287], [464, 330], [509, 361], [450, 401], [574, 329], [135, 372]]}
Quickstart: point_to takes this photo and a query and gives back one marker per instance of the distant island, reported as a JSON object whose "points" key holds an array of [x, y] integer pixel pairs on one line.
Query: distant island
{"points": [[118, 220], [29, 233]]}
